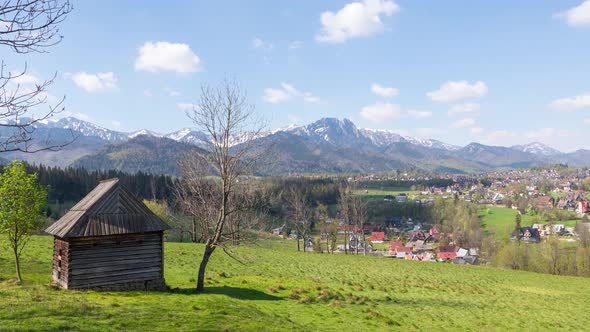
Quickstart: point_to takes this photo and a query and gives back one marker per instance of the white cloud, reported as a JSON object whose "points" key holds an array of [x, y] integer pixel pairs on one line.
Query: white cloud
{"points": [[116, 124], [356, 19], [574, 103], [165, 56], [578, 16], [463, 123], [285, 93], [185, 106], [262, 45], [147, 92], [384, 91], [419, 114], [587, 120], [94, 82], [295, 45], [463, 108], [380, 112], [452, 91]]}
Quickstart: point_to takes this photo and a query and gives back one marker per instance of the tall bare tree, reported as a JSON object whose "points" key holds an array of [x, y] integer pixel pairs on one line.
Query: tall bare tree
{"points": [[343, 200], [359, 216], [300, 213], [229, 123], [27, 26]]}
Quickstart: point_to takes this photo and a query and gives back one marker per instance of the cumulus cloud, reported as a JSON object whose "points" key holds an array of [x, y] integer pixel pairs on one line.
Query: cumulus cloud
{"points": [[463, 123], [356, 19], [574, 103], [94, 82], [384, 91], [165, 56], [577, 16], [285, 93], [452, 91], [380, 112], [262, 45], [463, 108]]}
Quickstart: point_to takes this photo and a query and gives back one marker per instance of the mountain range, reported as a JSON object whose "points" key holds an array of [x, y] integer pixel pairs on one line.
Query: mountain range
{"points": [[327, 145]]}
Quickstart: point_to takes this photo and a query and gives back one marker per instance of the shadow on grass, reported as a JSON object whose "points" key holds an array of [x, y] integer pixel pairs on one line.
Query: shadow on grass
{"points": [[233, 292]]}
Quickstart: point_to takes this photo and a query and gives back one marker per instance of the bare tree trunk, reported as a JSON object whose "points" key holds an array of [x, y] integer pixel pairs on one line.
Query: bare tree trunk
{"points": [[345, 239], [298, 248], [201, 277], [194, 233]]}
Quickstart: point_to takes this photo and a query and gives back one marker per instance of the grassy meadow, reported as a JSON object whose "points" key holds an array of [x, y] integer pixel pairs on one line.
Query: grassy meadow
{"points": [[500, 220], [272, 287]]}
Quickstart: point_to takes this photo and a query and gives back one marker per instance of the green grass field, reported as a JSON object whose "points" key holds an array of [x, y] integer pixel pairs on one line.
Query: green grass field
{"points": [[500, 220], [277, 288]]}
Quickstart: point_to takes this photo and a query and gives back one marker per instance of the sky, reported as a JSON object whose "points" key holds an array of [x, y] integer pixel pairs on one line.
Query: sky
{"points": [[495, 72]]}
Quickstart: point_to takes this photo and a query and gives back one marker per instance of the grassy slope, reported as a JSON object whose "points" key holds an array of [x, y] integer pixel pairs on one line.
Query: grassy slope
{"points": [[501, 220], [337, 293]]}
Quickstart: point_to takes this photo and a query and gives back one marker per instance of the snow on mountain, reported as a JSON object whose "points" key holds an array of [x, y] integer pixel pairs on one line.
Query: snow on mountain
{"points": [[85, 128], [538, 149], [144, 132]]}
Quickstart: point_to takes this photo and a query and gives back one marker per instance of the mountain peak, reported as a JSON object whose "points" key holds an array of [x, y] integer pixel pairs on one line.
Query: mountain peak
{"points": [[537, 148]]}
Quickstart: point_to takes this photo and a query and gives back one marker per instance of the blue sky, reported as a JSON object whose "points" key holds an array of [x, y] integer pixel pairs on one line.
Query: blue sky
{"points": [[496, 72]]}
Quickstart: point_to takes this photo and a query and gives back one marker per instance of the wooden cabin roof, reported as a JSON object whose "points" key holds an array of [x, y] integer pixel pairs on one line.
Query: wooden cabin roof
{"points": [[109, 209]]}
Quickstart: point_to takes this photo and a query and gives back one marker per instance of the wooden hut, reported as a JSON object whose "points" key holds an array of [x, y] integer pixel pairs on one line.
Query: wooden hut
{"points": [[109, 241]]}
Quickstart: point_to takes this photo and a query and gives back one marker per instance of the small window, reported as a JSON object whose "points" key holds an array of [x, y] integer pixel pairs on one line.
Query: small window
{"points": [[60, 253], [59, 263], [58, 275]]}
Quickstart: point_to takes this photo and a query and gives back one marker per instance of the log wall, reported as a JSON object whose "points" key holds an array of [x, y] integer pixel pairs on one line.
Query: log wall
{"points": [[125, 262], [60, 269]]}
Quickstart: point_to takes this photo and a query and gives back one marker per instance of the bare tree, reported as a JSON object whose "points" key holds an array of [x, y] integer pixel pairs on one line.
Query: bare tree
{"points": [[26, 27], [359, 216], [343, 200], [231, 129], [300, 213]]}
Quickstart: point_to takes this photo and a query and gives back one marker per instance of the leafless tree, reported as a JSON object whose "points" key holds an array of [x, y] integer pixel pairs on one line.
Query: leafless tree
{"points": [[359, 216], [300, 213], [343, 205], [28, 26], [229, 123]]}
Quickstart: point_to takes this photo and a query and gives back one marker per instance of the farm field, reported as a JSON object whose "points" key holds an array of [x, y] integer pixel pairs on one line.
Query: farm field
{"points": [[276, 288], [500, 220]]}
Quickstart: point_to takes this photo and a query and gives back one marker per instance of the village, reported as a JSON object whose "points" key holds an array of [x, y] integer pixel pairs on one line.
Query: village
{"points": [[553, 199]]}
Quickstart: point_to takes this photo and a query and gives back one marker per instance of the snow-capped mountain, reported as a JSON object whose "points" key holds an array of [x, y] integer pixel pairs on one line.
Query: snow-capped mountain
{"points": [[327, 145], [144, 132], [538, 149], [345, 133], [85, 128]]}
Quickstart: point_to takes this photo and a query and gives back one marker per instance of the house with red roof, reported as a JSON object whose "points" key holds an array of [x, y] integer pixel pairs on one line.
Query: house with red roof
{"points": [[377, 237], [446, 253]]}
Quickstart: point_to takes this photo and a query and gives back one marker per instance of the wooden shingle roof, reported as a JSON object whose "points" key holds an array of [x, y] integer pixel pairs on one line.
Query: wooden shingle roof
{"points": [[109, 209]]}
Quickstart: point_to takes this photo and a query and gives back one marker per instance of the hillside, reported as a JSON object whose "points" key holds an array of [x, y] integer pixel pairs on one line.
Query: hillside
{"points": [[148, 154], [277, 288]]}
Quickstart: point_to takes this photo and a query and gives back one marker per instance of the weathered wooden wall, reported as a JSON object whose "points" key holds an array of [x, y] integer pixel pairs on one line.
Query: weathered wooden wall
{"points": [[135, 260], [60, 262]]}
